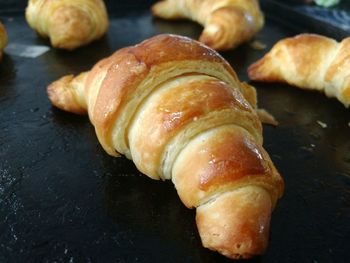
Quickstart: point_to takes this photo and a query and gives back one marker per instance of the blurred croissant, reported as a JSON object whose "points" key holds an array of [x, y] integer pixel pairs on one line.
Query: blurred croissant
{"points": [[178, 110], [3, 39], [69, 24], [227, 23], [308, 61]]}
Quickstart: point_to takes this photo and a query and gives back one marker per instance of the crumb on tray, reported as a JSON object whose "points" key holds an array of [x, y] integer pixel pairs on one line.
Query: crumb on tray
{"points": [[258, 45], [322, 124]]}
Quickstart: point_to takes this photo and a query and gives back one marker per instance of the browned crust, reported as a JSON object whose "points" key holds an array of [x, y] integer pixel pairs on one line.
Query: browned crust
{"points": [[176, 108], [228, 158], [129, 66]]}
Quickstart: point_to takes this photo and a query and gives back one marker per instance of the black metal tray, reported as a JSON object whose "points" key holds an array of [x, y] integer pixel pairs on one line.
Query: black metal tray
{"points": [[63, 199]]}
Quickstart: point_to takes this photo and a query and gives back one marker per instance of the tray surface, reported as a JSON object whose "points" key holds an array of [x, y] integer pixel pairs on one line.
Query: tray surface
{"points": [[63, 199]]}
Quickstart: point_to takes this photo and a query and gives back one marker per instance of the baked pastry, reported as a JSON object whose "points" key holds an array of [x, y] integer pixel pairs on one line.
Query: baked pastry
{"points": [[308, 61], [3, 39], [177, 109], [69, 24], [227, 23]]}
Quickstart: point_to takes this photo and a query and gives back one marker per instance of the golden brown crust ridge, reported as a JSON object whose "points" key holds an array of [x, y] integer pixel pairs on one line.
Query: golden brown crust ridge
{"points": [[127, 68], [170, 113], [227, 158]]}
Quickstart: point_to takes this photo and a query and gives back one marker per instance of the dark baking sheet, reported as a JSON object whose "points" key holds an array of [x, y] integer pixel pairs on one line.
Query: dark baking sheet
{"points": [[63, 199], [333, 21]]}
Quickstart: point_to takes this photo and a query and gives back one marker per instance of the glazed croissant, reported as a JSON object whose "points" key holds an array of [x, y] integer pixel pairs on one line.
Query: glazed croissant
{"points": [[227, 23], [178, 110], [308, 61], [3, 39], [69, 24]]}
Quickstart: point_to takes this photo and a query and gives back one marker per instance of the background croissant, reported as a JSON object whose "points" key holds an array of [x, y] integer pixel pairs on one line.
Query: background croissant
{"points": [[69, 24], [308, 61], [3, 39], [178, 110], [227, 23]]}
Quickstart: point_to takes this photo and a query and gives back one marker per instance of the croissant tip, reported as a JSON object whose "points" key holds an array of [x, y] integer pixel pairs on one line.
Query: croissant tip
{"points": [[60, 95], [253, 70], [237, 223], [261, 70]]}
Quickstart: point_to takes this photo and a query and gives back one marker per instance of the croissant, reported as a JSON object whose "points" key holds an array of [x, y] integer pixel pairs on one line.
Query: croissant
{"points": [[3, 39], [69, 24], [227, 23], [308, 61], [177, 109]]}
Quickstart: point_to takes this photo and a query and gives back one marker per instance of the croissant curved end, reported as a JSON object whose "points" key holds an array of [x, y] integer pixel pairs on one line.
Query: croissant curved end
{"points": [[61, 94], [237, 223], [256, 71], [222, 32], [264, 70], [70, 28]]}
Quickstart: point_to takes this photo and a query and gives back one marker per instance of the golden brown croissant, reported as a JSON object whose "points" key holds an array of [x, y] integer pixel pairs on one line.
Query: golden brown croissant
{"points": [[177, 109], [308, 61], [227, 23], [69, 24], [3, 39]]}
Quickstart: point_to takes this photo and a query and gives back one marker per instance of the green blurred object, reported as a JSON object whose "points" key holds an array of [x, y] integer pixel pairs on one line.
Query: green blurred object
{"points": [[327, 3]]}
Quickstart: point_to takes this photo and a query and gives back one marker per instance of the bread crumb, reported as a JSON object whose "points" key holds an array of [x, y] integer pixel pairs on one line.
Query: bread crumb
{"points": [[266, 117], [322, 124], [258, 45]]}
